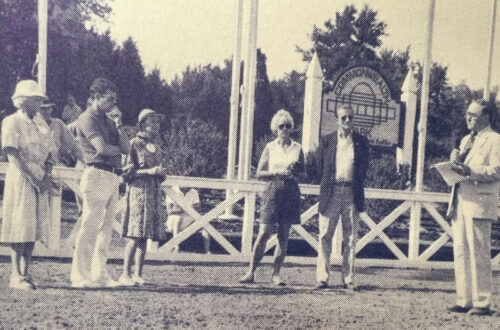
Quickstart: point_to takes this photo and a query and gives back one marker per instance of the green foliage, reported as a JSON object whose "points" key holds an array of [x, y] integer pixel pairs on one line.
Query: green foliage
{"points": [[350, 38], [288, 94], [194, 148]]}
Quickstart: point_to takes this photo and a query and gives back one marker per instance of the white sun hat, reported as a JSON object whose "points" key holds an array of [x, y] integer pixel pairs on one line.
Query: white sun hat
{"points": [[28, 88], [147, 112]]}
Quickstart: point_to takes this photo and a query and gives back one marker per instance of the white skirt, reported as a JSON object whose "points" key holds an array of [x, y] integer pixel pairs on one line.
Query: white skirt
{"points": [[26, 213]]}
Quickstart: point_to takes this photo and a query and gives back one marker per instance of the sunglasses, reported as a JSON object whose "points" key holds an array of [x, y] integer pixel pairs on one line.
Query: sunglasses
{"points": [[344, 118], [283, 126]]}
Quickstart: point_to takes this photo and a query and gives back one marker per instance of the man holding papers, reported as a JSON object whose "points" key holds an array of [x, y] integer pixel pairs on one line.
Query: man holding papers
{"points": [[475, 204]]}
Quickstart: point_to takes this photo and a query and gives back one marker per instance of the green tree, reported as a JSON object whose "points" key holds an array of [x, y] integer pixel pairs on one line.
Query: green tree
{"points": [[350, 38], [128, 75]]}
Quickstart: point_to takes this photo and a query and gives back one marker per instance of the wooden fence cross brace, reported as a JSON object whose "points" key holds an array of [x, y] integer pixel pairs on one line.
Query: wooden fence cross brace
{"points": [[377, 230], [202, 221]]}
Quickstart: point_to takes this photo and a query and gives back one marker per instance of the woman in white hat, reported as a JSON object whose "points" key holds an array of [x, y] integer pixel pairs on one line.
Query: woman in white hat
{"points": [[144, 216], [28, 180]]}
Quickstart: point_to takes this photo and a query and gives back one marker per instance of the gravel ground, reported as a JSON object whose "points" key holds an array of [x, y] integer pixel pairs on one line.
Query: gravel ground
{"points": [[208, 296]]}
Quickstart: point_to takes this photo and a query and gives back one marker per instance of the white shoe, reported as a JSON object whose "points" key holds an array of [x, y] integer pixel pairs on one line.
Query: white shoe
{"points": [[20, 282], [126, 281], [83, 284], [110, 283], [276, 279], [138, 280]]}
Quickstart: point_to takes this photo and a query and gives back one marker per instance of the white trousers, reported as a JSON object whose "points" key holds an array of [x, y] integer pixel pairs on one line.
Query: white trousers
{"points": [[472, 258], [340, 205], [100, 200]]}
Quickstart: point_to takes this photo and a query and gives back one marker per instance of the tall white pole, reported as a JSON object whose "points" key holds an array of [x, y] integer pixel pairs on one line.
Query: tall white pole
{"points": [[487, 83], [235, 94], [416, 210], [424, 104], [246, 78], [250, 105], [42, 44]]}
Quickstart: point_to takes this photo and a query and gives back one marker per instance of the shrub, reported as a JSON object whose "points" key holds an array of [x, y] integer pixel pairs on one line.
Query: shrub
{"points": [[194, 148]]}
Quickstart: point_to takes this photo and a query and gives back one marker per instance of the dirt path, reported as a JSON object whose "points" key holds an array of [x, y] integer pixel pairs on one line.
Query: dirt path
{"points": [[208, 296]]}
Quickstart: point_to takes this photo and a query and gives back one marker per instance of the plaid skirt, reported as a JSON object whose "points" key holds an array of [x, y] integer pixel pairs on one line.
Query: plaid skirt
{"points": [[281, 202]]}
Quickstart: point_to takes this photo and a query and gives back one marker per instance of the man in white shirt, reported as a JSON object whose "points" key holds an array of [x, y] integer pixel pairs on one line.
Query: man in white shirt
{"points": [[474, 208], [342, 166]]}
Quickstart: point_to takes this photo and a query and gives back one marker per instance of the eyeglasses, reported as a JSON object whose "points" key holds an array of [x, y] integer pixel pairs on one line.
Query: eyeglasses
{"points": [[283, 126], [473, 116], [344, 118]]}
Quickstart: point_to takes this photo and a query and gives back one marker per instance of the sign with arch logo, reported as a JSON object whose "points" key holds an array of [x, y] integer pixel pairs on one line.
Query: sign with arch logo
{"points": [[376, 114]]}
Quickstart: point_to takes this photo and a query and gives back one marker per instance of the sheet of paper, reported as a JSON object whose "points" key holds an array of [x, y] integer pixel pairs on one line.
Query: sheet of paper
{"points": [[449, 176]]}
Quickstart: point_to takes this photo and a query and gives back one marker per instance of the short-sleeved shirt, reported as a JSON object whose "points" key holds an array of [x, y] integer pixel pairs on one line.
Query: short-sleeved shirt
{"points": [[90, 125], [31, 137], [71, 113]]}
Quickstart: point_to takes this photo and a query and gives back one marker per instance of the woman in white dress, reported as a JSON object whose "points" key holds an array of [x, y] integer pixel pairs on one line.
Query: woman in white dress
{"points": [[282, 161], [28, 146]]}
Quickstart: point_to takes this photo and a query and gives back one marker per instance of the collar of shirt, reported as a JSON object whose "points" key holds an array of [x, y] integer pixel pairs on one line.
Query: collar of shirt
{"points": [[342, 136]]}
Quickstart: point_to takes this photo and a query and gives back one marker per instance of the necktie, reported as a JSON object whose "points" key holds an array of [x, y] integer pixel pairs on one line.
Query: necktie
{"points": [[468, 147]]}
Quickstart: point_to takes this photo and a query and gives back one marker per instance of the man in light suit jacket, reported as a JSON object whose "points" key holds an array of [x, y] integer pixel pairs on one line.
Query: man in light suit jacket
{"points": [[476, 204], [342, 165]]}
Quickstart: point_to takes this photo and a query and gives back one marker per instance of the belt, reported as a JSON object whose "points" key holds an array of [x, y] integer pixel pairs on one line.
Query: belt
{"points": [[343, 184], [107, 168]]}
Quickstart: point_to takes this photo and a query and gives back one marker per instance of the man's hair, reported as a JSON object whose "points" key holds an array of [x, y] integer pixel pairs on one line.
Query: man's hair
{"points": [[101, 86]]}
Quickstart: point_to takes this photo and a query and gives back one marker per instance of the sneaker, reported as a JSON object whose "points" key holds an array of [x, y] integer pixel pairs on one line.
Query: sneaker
{"points": [[138, 280], [19, 282], [110, 283], [125, 281], [83, 284], [276, 279], [29, 279], [350, 287], [247, 278]]}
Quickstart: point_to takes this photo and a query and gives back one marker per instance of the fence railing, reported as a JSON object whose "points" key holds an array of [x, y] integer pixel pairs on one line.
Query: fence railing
{"points": [[246, 194]]}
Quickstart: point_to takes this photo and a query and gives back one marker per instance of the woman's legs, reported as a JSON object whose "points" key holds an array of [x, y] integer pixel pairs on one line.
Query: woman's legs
{"points": [[21, 258], [140, 255], [16, 254], [26, 258], [130, 250], [259, 250], [280, 251]]}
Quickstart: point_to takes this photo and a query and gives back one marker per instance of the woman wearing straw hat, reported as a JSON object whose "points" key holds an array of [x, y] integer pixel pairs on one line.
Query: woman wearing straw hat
{"points": [[144, 216], [28, 180]]}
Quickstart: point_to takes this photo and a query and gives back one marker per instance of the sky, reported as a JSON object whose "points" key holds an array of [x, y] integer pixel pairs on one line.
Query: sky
{"points": [[172, 34]]}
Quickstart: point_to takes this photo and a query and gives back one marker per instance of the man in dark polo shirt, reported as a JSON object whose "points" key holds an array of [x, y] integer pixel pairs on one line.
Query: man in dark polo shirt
{"points": [[102, 142]]}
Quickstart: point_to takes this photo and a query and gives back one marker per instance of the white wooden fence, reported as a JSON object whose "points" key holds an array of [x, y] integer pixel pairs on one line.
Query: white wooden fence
{"points": [[247, 192]]}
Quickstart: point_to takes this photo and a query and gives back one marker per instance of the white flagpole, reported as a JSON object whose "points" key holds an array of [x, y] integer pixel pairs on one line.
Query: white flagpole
{"points": [[416, 210], [42, 44], [235, 103], [235, 95], [487, 83], [424, 104]]}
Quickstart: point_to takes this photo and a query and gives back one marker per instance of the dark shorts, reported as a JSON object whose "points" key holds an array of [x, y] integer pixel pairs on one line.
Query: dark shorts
{"points": [[281, 202]]}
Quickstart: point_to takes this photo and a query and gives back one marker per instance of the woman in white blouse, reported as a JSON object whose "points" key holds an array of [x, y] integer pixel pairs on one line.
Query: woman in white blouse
{"points": [[281, 162]]}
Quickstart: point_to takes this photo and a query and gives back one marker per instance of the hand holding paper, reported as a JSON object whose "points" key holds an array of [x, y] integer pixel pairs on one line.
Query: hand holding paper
{"points": [[452, 172]]}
